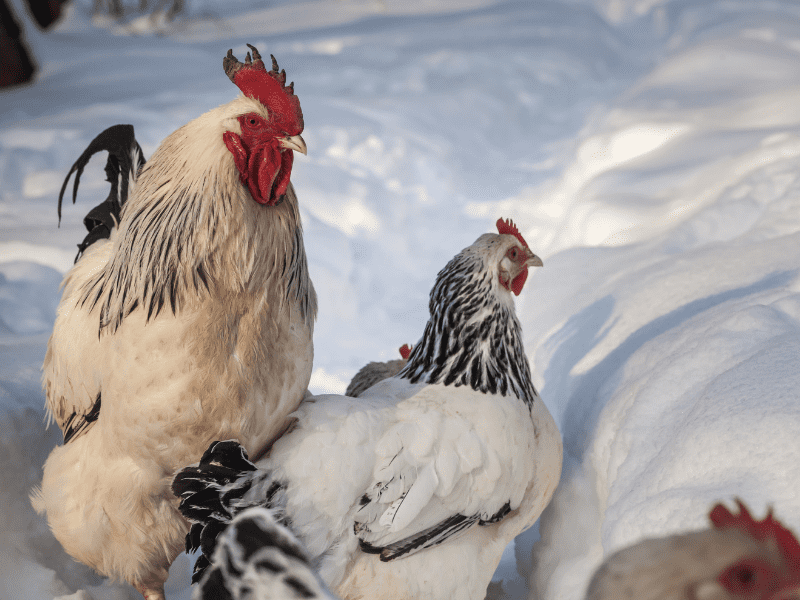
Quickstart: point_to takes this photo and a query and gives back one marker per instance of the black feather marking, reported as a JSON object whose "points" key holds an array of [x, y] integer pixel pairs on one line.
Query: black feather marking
{"points": [[232, 568], [498, 516], [299, 587], [432, 536], [212, 495], [77, 424], [213, 586], [265, 564], [201, 273], [124, 158]]}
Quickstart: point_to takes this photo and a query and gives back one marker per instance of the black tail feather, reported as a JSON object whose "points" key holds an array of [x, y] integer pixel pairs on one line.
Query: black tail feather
{"points": [[212, 494], [125, 159]]}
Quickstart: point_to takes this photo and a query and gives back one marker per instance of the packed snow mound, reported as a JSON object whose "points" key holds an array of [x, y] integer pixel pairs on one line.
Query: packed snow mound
{"points": [[668, 334]]}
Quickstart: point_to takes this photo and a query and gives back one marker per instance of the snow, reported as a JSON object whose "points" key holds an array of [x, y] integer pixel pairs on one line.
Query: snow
{"points": [[649, 150]]}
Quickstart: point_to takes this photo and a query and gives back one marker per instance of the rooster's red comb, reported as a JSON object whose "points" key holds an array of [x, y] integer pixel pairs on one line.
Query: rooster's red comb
{"points": [[508, 227], [268, 87], [405, 351], [769, 527]]}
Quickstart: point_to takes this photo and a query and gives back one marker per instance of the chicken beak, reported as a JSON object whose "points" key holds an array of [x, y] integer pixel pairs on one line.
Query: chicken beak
{"points": [[532, 260], [294, 142]]}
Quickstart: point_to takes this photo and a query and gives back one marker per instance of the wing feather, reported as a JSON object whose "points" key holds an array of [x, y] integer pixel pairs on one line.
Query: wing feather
{"points": [[448, 463], [71, 371]]}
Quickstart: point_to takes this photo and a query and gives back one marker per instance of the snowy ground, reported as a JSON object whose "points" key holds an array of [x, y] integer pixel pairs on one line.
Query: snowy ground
{"points": [[648, 149]]}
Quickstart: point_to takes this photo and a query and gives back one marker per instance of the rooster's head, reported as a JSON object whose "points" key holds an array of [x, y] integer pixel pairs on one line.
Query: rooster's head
{"points": [[263, 152]]}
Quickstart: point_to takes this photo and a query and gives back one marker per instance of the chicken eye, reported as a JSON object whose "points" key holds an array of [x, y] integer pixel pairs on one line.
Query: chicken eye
{"points": [[513, 253], [746, 577], [251, 121]]}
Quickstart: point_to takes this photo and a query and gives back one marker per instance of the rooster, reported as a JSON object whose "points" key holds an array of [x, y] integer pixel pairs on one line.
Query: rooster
{"points": [[257, 558], [738, 558], [188, 318], [373, 372], [413, 489]]}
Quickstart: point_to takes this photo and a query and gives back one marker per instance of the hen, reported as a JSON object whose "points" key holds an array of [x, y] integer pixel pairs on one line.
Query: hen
{"points": [[413, 489], [738, 558], [257, 558], [373, 372], [191, 322]]}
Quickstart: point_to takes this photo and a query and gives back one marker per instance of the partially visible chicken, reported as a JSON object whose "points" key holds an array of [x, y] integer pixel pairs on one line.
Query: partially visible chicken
{"points": [[414, 489], [257, 558], [373, 372], [738, 558], [191, 322]]}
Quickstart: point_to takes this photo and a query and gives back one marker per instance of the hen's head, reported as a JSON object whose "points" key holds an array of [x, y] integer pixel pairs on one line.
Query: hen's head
{"points": [[262, 152], [739, 558], [505, 255]]}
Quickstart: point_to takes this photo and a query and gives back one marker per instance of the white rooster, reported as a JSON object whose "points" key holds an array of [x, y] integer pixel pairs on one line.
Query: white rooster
{"points": [[413, 489], [738, 558], [192, 322]]}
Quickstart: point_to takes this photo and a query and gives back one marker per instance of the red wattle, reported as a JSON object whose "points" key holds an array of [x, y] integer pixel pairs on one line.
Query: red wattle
{"points": [[519, 282], [264, 168]]}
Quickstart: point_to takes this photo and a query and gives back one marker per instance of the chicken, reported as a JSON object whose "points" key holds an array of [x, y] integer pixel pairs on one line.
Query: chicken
{"points": [[257, 558], [738, 558], [413, 489], [373, 372], [190, 323]]}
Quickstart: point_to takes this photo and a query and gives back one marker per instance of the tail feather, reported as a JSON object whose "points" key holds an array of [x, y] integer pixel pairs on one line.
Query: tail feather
{"points": [[258, 557], [125, 159], [213, 492]]}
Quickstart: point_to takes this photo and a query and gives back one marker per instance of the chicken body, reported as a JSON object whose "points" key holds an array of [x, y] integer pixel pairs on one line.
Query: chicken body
{"points": [[414, 489], [192, 322], [373, 372], [743, 559]]}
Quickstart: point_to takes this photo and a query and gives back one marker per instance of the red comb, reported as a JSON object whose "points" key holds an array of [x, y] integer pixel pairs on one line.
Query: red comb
{"points": [[508, 227], [769, 527], [405, 351], [268, 87]]}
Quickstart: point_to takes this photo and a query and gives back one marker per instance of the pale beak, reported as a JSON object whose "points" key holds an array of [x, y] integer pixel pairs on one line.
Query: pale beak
{"points": [[294, 142], [532, 260]]}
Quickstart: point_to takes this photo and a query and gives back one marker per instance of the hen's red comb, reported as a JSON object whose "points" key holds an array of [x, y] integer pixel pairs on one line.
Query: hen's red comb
{"points": [[508, 227], [268, 87], [767, 528], [405, 351]]}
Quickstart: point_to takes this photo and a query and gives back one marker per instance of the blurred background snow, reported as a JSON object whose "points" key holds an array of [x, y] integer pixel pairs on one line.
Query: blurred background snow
{"points": [[649, 151]]}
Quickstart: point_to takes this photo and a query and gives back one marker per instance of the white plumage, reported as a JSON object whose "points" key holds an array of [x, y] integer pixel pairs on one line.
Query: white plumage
{"points": [[413, 489], [191, 322]]}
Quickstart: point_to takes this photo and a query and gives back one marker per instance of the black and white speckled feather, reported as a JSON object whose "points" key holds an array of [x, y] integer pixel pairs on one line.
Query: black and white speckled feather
{"points": [[223, 484], [473, 336], [258, 558]]}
